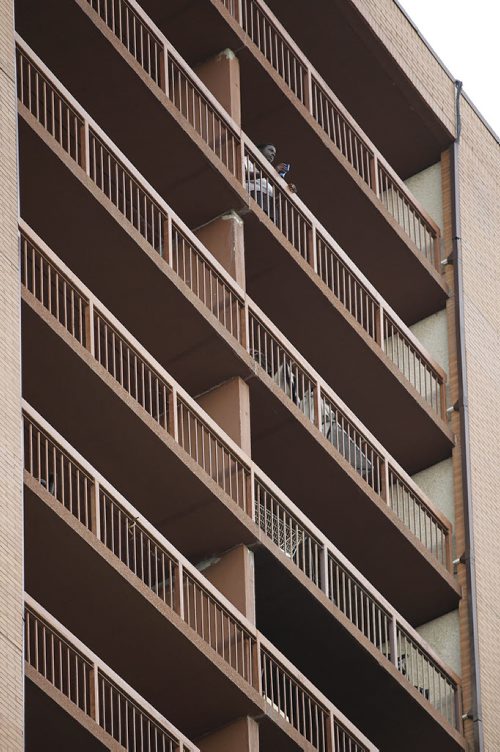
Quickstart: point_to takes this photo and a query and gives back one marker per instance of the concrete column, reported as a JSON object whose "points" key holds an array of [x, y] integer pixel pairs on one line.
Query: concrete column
{"points": [[234, 575], [221, 74], [11, 456], [229, 405], [224, 239], [240, 736]]}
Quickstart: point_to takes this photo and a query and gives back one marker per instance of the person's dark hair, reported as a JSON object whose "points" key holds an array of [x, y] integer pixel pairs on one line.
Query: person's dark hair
{"points": [[263, 146]]}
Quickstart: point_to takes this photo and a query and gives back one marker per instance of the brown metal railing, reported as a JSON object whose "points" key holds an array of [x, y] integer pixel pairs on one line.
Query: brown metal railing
{"points": [[104, 697], [407, 505], [330, 117], [407, 358], [153, 219], [111, 346], [218, 628], [134, 34], [280, 365], [124, 536], [421, 671], [129, 197], [131, 370], [359, 605], [135, 543], [290, 535], [156, 564], [293, 702], [272, 41], [57, 473], [128, 724], [187, 97], [57, 661], [54, 291], [212, 454], [263, 186], [350, 442], [49, 107], [206, 283], [347, 287]]}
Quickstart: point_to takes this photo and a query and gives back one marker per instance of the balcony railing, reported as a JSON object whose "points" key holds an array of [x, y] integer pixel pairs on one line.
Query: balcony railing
{"points": [[292, 218], [233, 309], [304, 82], [131, 368], [60, 658], [179, 585], [292, 534]]}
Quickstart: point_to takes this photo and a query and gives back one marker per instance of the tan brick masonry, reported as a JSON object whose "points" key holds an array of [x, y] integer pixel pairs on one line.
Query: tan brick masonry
{"points": [[11, 512]]}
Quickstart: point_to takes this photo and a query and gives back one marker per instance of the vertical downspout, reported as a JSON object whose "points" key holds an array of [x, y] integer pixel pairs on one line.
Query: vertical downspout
{"points": [[469, 554]]}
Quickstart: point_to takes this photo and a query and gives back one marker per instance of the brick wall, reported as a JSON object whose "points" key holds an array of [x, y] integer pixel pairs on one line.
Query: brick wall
{"points": [[480, 209], [406, 46], [11, 513], [480, 215]]}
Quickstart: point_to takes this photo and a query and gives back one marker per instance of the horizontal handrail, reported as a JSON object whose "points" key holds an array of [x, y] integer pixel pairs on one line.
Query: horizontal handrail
{"points": [[121, 183], [298, 225], [66, 663], [293, 535], [178, 584], [271, 40]]}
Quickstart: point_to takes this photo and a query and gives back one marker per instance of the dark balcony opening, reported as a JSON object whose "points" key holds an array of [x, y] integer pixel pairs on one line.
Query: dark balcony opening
{"points": [[47, 719], [338, 662]]}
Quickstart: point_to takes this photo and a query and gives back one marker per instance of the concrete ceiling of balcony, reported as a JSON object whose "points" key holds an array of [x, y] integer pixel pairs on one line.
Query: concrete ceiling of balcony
{"points": [[71, 215], [127, 106], [81, 402], [342, 668]]}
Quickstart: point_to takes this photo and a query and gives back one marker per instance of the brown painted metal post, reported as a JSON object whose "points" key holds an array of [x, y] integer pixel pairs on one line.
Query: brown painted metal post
{"points": [[374, 180], [330, 733], [94, 693], [89, 327]]}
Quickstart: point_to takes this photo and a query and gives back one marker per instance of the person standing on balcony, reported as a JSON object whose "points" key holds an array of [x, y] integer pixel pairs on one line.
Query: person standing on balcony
{"points": [[260, 186]]}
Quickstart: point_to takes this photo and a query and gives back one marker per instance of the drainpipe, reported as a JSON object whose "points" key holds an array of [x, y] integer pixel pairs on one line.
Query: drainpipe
{"points": [[468, 558]]}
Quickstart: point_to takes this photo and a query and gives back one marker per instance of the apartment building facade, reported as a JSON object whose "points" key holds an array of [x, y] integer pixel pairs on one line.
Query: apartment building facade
{"points": [[249, 432]]}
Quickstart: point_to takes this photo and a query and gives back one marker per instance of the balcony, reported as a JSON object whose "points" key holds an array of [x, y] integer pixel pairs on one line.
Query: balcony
{"points": [[100, 357], [336, 157], [122, 571], [298, 235], [373, 338], [77, 701], [364, 627], [345, 49]]}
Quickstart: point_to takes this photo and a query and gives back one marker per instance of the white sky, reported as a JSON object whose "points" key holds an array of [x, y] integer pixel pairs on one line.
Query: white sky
{"points": [[465, 34]]}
